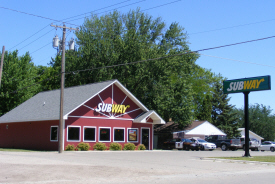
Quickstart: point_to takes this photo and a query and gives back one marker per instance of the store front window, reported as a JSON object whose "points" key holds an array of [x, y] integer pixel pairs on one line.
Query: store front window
{"points": [[89, 134], [54, 133], [119, 135], [104, 134], [73, 133]]}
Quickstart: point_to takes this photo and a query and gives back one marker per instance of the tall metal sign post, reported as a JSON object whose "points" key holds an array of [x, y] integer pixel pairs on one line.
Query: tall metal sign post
{"points": [[245, 86]]}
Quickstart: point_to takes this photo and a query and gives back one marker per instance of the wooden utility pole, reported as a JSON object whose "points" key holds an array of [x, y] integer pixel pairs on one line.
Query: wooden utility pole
{"points": [[62, 84], [1, 66]]}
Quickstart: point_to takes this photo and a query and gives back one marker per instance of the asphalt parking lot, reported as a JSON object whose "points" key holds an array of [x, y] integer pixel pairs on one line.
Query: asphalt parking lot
{"points": [[132, 167]]}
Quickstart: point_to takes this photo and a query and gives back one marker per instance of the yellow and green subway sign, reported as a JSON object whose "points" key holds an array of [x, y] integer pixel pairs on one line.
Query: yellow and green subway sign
{"points": [[247, 84]]}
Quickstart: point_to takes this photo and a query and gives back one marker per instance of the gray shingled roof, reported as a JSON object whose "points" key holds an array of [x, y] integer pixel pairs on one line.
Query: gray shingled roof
{"points": [[46, 105]]}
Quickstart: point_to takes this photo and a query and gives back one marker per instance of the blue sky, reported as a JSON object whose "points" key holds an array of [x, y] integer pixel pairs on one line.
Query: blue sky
{"points": [[208, 24]]}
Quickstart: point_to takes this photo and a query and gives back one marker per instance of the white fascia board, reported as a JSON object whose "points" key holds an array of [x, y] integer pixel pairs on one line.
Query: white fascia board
{"points": [[120, 86], [66, 115], [250, 132], [206, 123], [130, 95], [156, 118]]}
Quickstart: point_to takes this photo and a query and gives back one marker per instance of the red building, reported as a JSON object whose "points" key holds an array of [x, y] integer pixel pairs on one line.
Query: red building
{"points": [[101, 112]]}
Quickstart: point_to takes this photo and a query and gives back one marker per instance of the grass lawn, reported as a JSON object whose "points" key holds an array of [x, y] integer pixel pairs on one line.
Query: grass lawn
{"points": [[257, 158]]}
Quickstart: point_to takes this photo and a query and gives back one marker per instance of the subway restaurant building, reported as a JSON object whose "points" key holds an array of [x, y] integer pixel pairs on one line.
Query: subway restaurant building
{"points": [[100, 112]]}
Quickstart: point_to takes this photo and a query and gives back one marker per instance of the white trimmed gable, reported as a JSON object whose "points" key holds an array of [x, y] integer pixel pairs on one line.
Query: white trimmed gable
{"points": [[205, 128]]}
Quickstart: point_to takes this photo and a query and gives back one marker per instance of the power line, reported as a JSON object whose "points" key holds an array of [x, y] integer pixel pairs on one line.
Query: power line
{"points": [[34, 15], [241, 25], [161, 5], [141, 61], [63, 20], [36, 39], [235, 44], [30, 36], [110, 10], [96, 10], [237, 60], [41, 48]]}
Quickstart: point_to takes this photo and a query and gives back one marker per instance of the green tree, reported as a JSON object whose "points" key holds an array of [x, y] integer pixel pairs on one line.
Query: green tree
{"points": [[18, 81], [223, 115], [203, 81], [118, 39], [261, 120]]}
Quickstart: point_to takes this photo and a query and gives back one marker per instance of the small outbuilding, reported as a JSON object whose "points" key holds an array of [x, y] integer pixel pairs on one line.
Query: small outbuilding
{"points": [[100, 112], [251, 135], [201, 129]]}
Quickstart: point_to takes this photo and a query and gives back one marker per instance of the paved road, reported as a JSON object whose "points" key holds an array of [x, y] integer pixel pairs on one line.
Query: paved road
{"points": [[132, 167]]}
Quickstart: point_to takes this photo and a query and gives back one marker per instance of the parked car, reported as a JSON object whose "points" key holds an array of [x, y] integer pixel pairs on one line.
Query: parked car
{"points": [[204, 145], [188, 144], [253, 144], [267, 146], [171, 144], [224, 143], [183, 144]]}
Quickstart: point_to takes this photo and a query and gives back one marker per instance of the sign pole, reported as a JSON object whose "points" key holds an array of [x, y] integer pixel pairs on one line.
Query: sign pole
{"points": [[246, 124], [245, 85]]}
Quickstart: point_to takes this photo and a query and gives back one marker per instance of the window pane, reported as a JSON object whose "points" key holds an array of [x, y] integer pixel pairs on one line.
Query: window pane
{"points": [[73, 133], [132, 134], [119, 135], [104, 134], [53, 133], [89, 134]]}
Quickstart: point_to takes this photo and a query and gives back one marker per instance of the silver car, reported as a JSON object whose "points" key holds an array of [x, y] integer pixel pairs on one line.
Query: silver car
{"points": [[267, 146]]}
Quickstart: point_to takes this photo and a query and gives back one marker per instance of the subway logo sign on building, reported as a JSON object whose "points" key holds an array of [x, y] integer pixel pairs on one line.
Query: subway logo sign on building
{"points": [[247, 84]]}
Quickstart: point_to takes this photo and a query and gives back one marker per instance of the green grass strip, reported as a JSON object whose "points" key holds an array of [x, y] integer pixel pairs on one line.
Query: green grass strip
{"points": [[256, 158]]}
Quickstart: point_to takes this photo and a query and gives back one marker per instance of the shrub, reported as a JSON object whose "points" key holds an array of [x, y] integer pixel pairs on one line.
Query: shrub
{"points": [[141, 147], [83, 146], [70, 147], [100, 146], [115, 146], [129, 146]]}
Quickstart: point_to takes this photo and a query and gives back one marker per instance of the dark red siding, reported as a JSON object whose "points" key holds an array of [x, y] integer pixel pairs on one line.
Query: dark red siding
{"points": [[28, 135]]}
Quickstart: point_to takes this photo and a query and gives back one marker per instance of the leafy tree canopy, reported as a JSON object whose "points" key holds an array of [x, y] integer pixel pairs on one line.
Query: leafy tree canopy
{"points": [[115, 39], [261, 120], [18, 81], [223, 115]]}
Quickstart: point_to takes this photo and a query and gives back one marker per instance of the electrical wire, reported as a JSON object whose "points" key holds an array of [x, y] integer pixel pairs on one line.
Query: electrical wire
{"points": [[161, 5], [35, 15], [96, 10], [63, 20], [30, 37], [141, 61], [153, 59], [36, 39], [41, 47], [237, 60], [241, 25], [109, 10]]}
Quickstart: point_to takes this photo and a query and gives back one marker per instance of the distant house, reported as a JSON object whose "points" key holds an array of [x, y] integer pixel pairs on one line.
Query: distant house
{"points": [[251, 135], [200, 129]]}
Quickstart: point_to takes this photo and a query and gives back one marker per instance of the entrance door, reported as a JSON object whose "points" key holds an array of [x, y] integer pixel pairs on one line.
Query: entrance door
{"points": [[145, 137]]}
